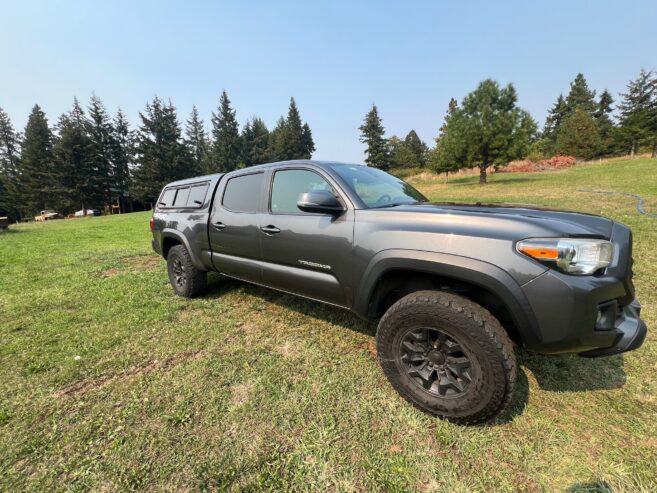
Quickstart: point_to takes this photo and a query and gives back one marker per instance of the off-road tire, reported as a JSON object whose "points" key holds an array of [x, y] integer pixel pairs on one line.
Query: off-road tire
{"points": [[485, 344], [186, 280]]}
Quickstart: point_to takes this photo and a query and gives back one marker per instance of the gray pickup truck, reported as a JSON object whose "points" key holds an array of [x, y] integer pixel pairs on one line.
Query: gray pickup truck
{"points": [[455, 287]]}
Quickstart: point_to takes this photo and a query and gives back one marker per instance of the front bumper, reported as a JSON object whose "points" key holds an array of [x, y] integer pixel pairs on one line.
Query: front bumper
{"points": [[632, 333]]}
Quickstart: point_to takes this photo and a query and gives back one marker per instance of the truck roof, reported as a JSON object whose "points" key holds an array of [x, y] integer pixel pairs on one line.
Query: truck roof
{"points": [[215, 176]]}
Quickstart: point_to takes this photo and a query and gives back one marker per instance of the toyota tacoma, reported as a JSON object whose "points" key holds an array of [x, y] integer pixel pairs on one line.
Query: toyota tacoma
{"points": [[454, 287]]}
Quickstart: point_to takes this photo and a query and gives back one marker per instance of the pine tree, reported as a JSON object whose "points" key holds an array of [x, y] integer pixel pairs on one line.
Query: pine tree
{"points": [[444, 157], [489, 129], [276, 142], [161, 155], [555, 117], [638, 114], [603, 121], [79, 182], [372, 135], [225, 153], [417, 148], [101, 134], [122, 153], [255, 139], [38, 175], [580, 96], [10, 200], [307, 143], [579, 135], [196, 141]]}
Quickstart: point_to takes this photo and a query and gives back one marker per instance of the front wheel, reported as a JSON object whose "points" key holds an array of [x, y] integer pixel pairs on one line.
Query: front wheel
{"points": [[186, 280], [447, 356]]}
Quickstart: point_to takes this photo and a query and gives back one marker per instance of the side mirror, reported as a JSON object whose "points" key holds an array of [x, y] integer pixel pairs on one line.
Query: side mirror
{"points": [[320, 201]]}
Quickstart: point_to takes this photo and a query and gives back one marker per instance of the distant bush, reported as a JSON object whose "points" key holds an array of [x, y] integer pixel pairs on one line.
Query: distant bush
{"points": [[556, 162], [406, 172]]}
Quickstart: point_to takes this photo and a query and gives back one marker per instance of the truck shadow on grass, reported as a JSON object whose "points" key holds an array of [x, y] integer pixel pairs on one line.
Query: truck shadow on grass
{"points": [[557, 373]]}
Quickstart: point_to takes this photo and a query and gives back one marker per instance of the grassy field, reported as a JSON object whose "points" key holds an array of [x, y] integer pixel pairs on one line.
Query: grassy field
{"points": [[109, 382]]}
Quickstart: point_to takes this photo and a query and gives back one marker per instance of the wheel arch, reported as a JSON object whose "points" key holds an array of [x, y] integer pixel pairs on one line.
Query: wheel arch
{"points": [[423, 268], [171, 238]]}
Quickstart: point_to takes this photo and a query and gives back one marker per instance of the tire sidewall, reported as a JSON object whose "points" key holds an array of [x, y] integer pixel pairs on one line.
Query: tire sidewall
{"points": [[488, 385]]}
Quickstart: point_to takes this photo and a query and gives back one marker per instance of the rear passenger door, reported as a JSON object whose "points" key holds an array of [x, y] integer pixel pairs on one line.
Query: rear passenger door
{"points": [[234, 228]]}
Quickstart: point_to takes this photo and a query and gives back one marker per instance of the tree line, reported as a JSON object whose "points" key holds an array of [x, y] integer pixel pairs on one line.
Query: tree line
{"points": [[489, 129], [90, 159]]}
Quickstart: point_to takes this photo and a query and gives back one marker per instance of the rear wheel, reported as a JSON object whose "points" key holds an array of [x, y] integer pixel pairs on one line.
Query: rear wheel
{"points": [[447, 356], [186, 280]]}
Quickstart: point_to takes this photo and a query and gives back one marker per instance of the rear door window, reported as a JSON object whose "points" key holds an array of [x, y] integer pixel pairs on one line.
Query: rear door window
{"points": [[243, 193]]}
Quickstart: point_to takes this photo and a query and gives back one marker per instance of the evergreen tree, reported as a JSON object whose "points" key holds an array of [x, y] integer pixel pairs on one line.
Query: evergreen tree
{"points": [[196, 141], [276, 142], [417, 148], [38, 174], [161, 155], [122, 153], [307, 142], [255, 139], [79, 182], [372, 135], [603, 121], [10, 200], [580, 96], [555, 117], [409, 152], [291, 138], [444, 157], [225, 138], [638, 114], [101, 149], [489, 129], [579, 135]]}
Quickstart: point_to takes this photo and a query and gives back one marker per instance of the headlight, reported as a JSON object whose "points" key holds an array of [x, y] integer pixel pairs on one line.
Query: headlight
{"points": [[573, 256]]}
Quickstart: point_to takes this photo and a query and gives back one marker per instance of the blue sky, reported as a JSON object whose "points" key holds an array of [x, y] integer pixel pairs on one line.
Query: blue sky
{"points": [[334, 57]]}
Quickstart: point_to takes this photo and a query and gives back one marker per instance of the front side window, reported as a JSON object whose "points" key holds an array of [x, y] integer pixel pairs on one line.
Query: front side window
{"points": [[243, 192], [289, 184], [377, 188]]}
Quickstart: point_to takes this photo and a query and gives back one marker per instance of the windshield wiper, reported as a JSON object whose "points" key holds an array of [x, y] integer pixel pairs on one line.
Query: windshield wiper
{"points": [[395, 204]]}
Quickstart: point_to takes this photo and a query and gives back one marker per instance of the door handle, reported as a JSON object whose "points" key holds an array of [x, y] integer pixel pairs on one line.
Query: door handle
{"points": [[219, 226], [270, 230]]}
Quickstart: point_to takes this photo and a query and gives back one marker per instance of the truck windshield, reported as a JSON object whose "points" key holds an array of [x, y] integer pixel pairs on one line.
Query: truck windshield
{"points": [[377, 188]]}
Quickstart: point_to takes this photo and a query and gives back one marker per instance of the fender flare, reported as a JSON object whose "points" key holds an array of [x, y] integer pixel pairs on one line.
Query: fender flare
{"points": [[466, 269], [175, 234]]}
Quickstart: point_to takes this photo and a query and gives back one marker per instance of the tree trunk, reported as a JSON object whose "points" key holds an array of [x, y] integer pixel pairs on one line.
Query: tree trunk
{"points": [[482, 173], [446, 176], [632, 151], [654, 149]]}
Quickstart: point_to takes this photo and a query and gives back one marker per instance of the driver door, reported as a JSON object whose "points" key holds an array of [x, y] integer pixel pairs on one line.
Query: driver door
{"points": [[306, 253]]}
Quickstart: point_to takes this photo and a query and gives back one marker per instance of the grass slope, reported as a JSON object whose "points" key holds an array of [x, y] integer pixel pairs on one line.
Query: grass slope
{"points": [[109, 382]]}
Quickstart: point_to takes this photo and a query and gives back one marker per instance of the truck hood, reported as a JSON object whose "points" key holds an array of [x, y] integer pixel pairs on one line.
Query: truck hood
{"points": [[535, 220]]}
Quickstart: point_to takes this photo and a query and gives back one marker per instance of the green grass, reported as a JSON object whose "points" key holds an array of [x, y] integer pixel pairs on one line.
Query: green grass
{"points": [[109, 382]]}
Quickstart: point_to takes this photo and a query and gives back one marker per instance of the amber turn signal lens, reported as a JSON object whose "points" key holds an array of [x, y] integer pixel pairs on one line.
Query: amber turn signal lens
{"points": [[540, 253]]}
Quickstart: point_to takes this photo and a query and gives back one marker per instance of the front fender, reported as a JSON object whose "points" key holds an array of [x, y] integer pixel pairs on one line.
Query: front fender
{"points": [[476, 272]]}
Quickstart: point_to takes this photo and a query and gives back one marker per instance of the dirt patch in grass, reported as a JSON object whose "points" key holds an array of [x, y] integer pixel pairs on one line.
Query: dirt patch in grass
{"points": [[133, 263], [85, 386], [286, 350], [241, 393]]}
